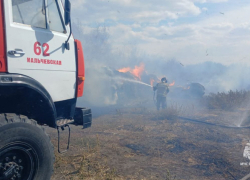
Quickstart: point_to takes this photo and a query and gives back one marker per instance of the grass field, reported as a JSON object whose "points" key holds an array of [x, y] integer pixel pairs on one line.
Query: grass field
{"points": [[140, 143]]}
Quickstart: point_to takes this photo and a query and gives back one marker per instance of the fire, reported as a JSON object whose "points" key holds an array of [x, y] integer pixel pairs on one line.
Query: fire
{"points": [[152, 82], [172, 84], [137, 71], [124, 70]]}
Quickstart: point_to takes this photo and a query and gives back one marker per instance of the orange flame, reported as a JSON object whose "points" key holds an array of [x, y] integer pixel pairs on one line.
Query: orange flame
{"points": [[137, 71], [152, 82], [172, 84], [124, 70]]}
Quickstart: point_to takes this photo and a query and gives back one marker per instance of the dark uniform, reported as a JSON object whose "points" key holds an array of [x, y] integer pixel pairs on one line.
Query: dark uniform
{"points": [[162, 91]]}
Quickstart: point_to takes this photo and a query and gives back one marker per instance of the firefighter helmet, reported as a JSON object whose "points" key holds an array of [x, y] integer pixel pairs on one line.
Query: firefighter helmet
{"points": [[164, 79]]}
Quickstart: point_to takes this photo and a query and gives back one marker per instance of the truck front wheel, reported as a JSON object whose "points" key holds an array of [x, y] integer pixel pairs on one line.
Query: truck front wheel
{"points": [[26, 152]]}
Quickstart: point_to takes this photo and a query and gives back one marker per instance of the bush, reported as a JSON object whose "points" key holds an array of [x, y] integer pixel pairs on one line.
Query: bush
{"points": [[227, 101]]}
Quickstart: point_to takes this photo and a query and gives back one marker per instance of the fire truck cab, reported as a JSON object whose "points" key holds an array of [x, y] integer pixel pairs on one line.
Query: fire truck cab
{"points": [[41, 77]]}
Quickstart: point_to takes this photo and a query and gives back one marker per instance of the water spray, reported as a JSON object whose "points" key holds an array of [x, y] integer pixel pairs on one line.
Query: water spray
{"points": [[132, 80]]}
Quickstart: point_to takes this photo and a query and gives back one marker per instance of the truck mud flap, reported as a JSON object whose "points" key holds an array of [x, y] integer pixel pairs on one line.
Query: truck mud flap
{"points": [[83, 116]]}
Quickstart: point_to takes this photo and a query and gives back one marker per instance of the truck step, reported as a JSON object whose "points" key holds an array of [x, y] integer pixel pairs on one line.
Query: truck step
{"points": [[64, 122]]}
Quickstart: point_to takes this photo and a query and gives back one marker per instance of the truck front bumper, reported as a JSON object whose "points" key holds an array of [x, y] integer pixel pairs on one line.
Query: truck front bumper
{"points": [[83, 117]]}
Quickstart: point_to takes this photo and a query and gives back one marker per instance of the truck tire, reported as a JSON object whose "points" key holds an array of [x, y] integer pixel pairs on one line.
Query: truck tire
{"points": [[26, 152]]}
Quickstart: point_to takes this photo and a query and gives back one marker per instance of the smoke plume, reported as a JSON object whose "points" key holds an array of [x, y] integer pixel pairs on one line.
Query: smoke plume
{"points": [[103, 80]]}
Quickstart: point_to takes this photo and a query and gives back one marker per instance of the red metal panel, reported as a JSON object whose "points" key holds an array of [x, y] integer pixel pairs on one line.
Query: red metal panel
{"points": [[3, 63], [80, 68]]}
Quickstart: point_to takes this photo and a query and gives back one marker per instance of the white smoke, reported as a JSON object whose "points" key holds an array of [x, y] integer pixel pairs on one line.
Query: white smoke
{"points": [[101, 86]]}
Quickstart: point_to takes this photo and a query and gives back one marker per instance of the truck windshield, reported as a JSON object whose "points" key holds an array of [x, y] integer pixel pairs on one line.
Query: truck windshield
{"points": [[33, 12], [30, 12]]}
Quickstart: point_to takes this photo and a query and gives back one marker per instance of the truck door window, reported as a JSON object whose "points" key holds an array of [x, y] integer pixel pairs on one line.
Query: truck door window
{"points": [[30, 12], [55, 17]]}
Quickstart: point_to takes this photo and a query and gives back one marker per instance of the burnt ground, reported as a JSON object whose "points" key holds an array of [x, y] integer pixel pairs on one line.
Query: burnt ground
{"points": [[138, 143]]}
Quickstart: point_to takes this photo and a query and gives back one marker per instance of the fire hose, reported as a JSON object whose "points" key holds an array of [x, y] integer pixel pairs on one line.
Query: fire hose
{"points": [[212, 124]]}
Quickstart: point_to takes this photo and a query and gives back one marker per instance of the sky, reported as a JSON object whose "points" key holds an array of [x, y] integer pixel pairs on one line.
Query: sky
{"points": [[190, 31]]}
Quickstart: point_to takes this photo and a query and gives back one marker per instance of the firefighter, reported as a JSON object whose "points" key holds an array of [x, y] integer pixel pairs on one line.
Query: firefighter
{"points": [[162, 91]]}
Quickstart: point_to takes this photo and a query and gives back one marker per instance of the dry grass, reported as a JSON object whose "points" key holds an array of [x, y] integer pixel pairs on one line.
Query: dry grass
{"points": [[144, 144], [86, 163], [227, 101], [171, 113], [169, 176]]}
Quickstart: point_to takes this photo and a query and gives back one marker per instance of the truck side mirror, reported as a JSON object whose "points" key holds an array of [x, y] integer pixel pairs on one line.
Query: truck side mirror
{"points": [[67, 12]]}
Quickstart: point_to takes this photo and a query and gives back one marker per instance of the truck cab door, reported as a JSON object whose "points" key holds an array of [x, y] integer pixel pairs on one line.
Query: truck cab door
{"points": [[35, 37]]}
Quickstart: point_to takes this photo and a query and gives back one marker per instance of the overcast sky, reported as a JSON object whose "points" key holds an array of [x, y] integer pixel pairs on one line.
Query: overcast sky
{"points": [[191, 31]]}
